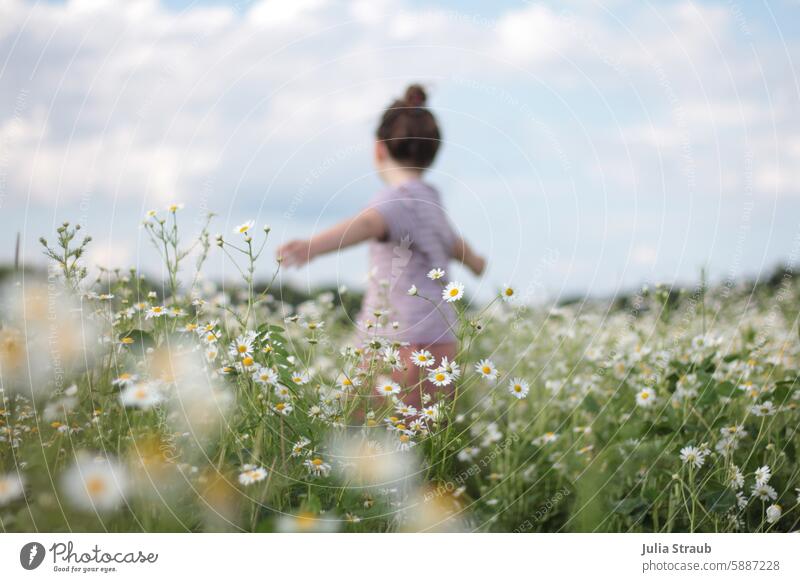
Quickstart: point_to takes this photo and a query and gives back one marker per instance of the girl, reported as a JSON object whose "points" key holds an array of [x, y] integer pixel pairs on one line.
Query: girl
{"points": [[409, 236]]}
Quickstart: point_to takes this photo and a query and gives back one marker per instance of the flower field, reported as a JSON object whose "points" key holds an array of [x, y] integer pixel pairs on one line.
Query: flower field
{"points": [[189, 407]]}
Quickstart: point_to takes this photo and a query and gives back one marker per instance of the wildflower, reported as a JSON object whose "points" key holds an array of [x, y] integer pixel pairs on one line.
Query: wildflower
{"points": [[143, 395], [11, 488], [252, 474], [150, 214], [440, 377], [299, 448], [453, 291], [243, 345], [346, 382], [431, 413], [282, 392], [124, 379], [265, 376], [451, 368], [317, 467], [283, 408], [435, 274], [422, 358], [765, 409], [735, 477], [301, 378], [155, 311], [486, 369], [774, 512], [693, 456], [244, 227], [405, 409], [763, 475], [413, 291], [764, 492], [518, 388], [546, 438], [507, 293], [646, 397], [95, 484], [174, 207], [388, 388], [733, 431]]}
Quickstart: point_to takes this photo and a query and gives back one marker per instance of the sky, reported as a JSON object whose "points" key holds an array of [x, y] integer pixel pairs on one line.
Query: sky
{"points": [[589, 147]]}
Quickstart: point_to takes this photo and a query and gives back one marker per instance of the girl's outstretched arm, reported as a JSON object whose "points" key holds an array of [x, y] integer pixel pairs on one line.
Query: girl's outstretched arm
{"points": [[464, 254], [363, 226]]}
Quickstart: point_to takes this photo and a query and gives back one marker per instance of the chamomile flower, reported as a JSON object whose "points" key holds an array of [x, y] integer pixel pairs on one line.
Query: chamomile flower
{"points": [[518, 388], [283, 392], [440, 377], [486, 369], [763, 475], [765, 409], [174, 207], [244, 227], [242, 347], [124, 379], [265, 376], [646, 397], [155, 311], [283, 408], [507, 293], [422, 358], [764, 492], [252, 474], [693, 456], [317, 466], [453, 291], [143, 395], [11, 488], [388, 388], [95, 484], [347, 382], [301, 378], [435, 274], [413, 291], [299, 448]]}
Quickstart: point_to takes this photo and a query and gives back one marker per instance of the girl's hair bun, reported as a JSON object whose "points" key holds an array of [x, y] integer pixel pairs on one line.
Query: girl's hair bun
{"points": [[415, 96]]}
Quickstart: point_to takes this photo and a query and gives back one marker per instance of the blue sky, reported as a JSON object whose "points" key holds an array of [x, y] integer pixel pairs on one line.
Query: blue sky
{"points": [[589, 146]]}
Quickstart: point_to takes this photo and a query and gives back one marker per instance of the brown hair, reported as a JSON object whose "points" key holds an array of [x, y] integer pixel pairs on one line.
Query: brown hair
{"points": [[409, 129]]}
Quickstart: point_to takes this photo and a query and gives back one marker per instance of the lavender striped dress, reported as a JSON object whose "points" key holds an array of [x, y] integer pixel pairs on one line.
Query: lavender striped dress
{"points": [[419, 238]]}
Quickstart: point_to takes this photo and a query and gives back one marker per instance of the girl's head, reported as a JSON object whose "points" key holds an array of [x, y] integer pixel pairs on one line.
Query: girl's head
{"points": [[408, 134]]}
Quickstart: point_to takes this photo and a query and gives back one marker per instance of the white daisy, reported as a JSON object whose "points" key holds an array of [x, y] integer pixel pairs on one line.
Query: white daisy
{"points": [[174, 207], [95, 484], [142, 395], [413, 291], [244, 227], [283, 408], [763, 475], [435, 274], [388, 388], [242, 347], [301, 378], [11, 487], [265, 376], [453, 291], [422, 358], [317, 467], [764, 492], [518, 388], [155, 311], [440, 377], [486, 369], [507, 293], [693, 456], [251, 474], [646, 397], [765, 409]]}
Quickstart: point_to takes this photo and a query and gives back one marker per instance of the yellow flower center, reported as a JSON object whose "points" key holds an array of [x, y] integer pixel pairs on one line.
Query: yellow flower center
{"points": [[317, 462], [509, 292], [280, 406], [440, 377], [241, 348], [95, 486], [248, 361], [127, 340], [644, 395], [453, 291], [486, 369]]}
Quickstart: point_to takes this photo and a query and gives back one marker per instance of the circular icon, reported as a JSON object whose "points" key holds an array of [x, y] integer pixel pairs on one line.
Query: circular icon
{"points": [[31, 555]]}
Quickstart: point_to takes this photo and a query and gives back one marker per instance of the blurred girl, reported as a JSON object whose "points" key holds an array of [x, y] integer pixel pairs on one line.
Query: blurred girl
{"points": [[409, 236]]}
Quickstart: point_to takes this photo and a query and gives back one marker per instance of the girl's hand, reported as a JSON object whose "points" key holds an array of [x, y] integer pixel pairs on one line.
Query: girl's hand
{"points": [[295, 253]]}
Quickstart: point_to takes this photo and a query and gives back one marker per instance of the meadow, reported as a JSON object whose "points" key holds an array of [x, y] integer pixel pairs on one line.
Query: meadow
{"points": [[186, 406]]}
